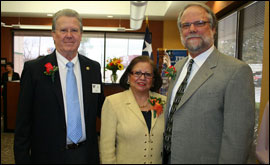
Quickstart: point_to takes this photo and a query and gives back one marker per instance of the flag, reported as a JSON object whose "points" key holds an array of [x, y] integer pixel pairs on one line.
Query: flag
{"points": [[147, 44]]}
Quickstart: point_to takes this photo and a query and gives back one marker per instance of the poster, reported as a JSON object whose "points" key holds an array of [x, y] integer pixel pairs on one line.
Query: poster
{"points": [[170, 58]]}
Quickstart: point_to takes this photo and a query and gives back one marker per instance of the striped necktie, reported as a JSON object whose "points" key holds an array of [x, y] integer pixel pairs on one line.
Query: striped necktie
{"points": [[177, 99]]}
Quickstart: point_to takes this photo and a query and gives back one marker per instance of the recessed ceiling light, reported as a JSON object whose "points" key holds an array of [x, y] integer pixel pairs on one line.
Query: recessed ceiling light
{"points": [[110, 16], [49, 15]]}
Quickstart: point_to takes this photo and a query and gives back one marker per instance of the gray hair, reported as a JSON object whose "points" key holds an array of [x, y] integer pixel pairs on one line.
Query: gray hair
{"points": [[211, 16], [68, 13]]}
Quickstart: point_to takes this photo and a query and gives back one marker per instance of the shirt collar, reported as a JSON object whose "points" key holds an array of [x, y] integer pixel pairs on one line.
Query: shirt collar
{"points": [[63, 61], [200, 59]]}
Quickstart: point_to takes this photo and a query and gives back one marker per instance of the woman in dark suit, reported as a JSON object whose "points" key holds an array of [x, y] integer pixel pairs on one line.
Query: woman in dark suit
{"points": [[10, 75]]}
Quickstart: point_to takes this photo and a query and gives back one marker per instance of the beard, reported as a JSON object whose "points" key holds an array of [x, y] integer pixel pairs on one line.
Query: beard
{"points": [[195, 46]]}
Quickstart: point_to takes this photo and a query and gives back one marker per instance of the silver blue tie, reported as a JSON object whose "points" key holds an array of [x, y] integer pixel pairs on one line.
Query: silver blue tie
{"points": [[74, 126]]}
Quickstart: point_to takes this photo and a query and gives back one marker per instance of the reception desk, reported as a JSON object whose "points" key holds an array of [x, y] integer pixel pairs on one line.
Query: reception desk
{"points": [[12, 97], [11, 105]]}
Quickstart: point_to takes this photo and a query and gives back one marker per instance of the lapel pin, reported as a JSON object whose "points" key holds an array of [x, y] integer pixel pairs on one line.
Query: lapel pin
{"points": [[87, 68]]}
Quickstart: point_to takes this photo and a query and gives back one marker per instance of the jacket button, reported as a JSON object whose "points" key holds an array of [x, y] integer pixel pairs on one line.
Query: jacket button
{"points": [[144, 155], [145, 134], [151, 148], [145, 149], [145, 142]]}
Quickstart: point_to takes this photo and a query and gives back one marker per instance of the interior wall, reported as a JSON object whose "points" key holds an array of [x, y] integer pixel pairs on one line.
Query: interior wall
{"points": [[171, 35], [221, 8], [265, 71]]}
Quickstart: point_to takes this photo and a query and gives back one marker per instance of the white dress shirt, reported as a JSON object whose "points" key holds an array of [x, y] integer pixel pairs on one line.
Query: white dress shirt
{"points": [[198, 62], [62, 61]]}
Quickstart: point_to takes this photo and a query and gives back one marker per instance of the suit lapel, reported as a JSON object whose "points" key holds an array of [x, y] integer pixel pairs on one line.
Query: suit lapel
{"points": [[56, 85], [86, 84], [133, 106], [179, 66], [203, 74]]}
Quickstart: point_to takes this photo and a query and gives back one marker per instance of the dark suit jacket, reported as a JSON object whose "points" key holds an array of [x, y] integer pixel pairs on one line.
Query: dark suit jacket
{"points": [[40, 122]]}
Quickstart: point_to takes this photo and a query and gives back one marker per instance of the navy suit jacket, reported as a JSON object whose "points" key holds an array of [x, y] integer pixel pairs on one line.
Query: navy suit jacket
{"points": [[40, 134]]}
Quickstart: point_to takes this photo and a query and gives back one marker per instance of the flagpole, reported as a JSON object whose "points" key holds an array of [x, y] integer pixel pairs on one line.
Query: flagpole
{"points": [[146, 21]]}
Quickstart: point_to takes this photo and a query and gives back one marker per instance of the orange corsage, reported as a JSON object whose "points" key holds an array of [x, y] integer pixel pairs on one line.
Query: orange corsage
{"points": [[157, 105]]}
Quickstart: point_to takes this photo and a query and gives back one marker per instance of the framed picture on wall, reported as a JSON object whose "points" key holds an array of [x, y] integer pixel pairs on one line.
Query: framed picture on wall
{"points": [[3, 61]]}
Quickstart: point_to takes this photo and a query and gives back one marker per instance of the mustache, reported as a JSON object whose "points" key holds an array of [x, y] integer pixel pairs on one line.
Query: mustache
{"points": [[193, 35]]}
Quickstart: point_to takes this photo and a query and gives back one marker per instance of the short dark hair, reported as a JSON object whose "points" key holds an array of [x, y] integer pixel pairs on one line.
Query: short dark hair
{"points": [[157, 81], [10, 64]]}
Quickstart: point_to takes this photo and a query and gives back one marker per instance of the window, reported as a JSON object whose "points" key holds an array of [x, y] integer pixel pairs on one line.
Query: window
{"points": [[245, 42], [98, 46], [227, 35], [30, 45], [125, 46], [252, 42], [92, 46]]}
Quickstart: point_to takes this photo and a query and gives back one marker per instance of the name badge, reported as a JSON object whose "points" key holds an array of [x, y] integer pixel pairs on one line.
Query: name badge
{"points": [[96, 88]]}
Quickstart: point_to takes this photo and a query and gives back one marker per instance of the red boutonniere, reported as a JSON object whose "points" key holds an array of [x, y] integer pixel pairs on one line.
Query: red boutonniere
{"points": [[170, 72], [157, 105], [50, 70]]}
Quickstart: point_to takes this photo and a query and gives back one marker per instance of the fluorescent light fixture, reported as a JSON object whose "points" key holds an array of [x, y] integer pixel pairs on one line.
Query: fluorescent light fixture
{"points": [[4, 25], [34, 27], [137, 11], [93, 28], [85, 28]]}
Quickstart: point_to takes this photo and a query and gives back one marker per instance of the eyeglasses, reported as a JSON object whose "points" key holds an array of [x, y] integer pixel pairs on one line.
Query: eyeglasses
{"points": [[139, 74], [196, 24]]}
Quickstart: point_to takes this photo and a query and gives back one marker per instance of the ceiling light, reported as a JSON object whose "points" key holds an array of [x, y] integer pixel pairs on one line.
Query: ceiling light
{"points": [[93, 28], [49, 15], [34, 27], [4, 25], [137, 11], [49, 27], [110, 16]]}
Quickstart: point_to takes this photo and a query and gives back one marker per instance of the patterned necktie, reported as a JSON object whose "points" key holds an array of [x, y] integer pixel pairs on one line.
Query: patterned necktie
{"points": [[177, 99], [74, 127]]}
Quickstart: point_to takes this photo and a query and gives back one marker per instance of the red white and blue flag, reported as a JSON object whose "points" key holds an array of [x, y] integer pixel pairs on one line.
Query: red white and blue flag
{"points": [[147, 44]]}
